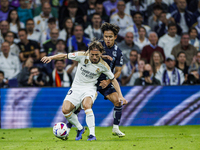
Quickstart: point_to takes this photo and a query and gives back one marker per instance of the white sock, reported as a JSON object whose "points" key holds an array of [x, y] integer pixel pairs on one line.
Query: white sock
{"points": [[73, 119], [90, 120], [115, 126]]}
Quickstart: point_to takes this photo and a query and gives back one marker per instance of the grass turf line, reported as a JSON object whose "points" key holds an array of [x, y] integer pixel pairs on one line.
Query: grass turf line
{"points": [[144, 138]]}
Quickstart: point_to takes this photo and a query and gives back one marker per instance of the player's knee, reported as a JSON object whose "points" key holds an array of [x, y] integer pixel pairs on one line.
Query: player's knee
{"points": [[87, 106], [117, 103], [65, 110]]}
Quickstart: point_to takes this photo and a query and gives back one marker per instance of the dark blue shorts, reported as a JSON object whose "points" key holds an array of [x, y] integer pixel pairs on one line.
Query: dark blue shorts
{"points": [[107, 91]]}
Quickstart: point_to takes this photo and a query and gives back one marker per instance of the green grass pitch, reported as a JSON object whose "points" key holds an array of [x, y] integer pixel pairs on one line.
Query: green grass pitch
{"points": [[137, 138]]}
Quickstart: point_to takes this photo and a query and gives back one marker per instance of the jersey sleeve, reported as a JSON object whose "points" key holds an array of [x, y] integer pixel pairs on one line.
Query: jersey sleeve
{"points": [[76, 56], [119, 59], [108, 72]]}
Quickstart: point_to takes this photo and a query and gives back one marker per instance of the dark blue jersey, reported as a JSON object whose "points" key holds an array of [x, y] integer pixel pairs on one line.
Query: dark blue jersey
{"points": [[117, 56]]}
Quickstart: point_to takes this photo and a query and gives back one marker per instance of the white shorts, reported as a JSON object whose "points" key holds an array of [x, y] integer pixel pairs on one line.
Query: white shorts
{"points": [[77, 95]]}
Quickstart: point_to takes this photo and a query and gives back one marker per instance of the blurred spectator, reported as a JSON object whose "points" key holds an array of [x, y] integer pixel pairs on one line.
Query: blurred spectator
{"points": [[50, 45], [14, 3], [129, 68], [134, 6], [3, 81], [127, 45], [38, 9], [14, 49], [184, 46], [196, 62], [147, 78], [88, 7], [193, 6], [36, 78], [5, 9], [193, 38], [110, 7], [100, 10], [157, 2], [161, 28], [60, 77], [14, 22], [45, 35], [67, 31], [193, 77], [173, 6], [4, 28], [9, 63], [169, 40], [94, 30], [121, 19], [72, 11], [77, 39], [141, 41], [28, 48], [32, 33], [23, 76], [41, 21], [137, 19], [24, 13], [60, 49], [181, 63], [167, 2], [149, 49], [184, 18], [156, 62], [153, 20], [170, 75]]}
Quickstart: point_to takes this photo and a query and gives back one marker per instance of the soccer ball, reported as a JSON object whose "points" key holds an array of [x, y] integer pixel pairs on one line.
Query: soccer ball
{"points": [[60, 130]]}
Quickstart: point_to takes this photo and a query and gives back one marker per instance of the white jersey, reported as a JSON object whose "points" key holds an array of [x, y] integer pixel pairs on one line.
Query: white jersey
{"points": [[87, 73]]}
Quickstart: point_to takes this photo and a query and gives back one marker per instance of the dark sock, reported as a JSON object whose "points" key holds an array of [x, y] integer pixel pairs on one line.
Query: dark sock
{"points": [[117, 114]]}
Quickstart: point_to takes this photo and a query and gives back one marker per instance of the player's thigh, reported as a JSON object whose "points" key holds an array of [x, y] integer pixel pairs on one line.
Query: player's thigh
{"points": [[67, 107], [113, 97], [87, 103]]}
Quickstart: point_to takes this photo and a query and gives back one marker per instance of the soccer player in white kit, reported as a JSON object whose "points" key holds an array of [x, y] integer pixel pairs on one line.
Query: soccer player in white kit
{"points": [[83, 90]]}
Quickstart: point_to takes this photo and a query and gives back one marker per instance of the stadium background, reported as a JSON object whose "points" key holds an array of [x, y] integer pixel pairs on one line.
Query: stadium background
{"points": [[148, 105]]}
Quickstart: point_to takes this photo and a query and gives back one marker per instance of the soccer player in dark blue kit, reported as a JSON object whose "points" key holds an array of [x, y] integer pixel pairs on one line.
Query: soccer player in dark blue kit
{"points": [[104, 85]]}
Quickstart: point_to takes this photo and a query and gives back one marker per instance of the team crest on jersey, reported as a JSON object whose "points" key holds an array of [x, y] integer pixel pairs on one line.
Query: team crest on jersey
{"points": [[22, 47], [32, 48], [86, 61], [98, 70], [114, 53], [73, 54]]}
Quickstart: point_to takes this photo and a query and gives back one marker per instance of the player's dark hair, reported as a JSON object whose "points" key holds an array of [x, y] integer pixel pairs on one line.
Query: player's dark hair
{"points": [[1, 72], [23, 30], [96, 45], [110, 27]]}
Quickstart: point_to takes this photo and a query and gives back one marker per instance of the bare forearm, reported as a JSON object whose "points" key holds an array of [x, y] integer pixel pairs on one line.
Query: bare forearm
{"points": [[117, 87], [59, 57]]}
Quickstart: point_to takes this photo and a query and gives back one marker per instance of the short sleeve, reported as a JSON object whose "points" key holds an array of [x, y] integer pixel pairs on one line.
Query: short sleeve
{"points": [[76, 56], [119, 59], [108, 72]]}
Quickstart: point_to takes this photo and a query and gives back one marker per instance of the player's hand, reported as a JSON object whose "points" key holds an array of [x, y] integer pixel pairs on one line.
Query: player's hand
{"points": [[46, 59], [104, 83], [123, 100], [107, 57]]}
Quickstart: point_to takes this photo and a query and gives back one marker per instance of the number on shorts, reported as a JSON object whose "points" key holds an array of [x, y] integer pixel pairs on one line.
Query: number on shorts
{"points": [[70, 92]]}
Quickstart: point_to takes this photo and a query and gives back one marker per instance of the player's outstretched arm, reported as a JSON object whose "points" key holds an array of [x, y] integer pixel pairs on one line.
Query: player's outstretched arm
{"points": [[48, 59], [117, 88]]}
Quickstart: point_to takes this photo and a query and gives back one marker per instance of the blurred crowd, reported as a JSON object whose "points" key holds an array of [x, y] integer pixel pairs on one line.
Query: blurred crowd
{"points": [[159, 40]]}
